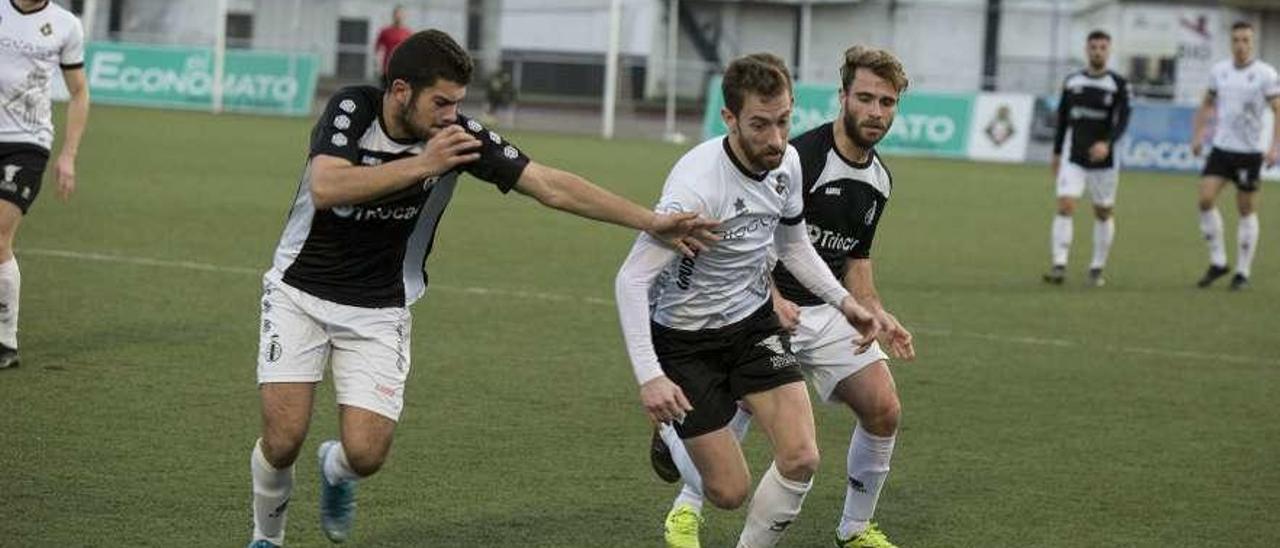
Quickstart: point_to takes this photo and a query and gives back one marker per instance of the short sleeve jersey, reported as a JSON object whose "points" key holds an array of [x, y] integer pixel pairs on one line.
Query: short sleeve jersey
{"points": [[1242, 95], [33, 47], [843, 203], [725, 283], [373, 254]]}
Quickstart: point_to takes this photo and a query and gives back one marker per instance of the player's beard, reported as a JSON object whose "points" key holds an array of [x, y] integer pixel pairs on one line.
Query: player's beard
{"points": [[766, 159], [853, 130], [406, 116]]}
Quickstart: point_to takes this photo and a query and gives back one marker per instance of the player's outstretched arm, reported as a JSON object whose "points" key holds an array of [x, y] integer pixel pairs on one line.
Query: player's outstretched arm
{"points": [[796, 251], [663, 401], [337, 182], [565, 191], [77, 119], [859, 280]]}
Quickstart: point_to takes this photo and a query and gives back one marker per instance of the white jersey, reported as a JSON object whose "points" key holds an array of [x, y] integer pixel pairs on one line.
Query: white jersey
{"points": [[32, 46], [725, 283], [1242, 96]]}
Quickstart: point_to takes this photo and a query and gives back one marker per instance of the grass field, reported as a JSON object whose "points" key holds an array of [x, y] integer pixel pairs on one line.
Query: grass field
{"points": [[1144, 413]]}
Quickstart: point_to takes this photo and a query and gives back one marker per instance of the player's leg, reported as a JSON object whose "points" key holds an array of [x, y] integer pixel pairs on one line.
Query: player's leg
{"points": [[1248, 199], [293, 349], [1070, 186], [786, 417], [1102, 186], [685, 517], [823, 343], [371, 362], [1217, 171], [23, 168]]}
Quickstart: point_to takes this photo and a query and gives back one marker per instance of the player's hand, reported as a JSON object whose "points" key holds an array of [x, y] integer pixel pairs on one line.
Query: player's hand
{"points": [[449, 148], [686, 232], [1055, 163], [1271, 157], [66, 171], [1099, 151], [1196, 145], [664, 401], [788, 313], [895, 337], [863, 320]]}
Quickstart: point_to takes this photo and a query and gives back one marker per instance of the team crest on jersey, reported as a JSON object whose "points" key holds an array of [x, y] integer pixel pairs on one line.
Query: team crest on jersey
{"points": [[781, 186], [46, 29], [871, 214]]}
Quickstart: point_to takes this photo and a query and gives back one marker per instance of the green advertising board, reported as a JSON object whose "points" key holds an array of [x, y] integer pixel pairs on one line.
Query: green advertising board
{"points": [[182, 77], [926, 123]]}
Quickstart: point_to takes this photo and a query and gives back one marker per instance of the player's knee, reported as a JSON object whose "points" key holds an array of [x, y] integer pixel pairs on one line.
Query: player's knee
{"points": [[1066, 208], [799, 464], [882, 419], [365, 463], [281, 448], [726, 495], [1205, 204], [1102, 213]]}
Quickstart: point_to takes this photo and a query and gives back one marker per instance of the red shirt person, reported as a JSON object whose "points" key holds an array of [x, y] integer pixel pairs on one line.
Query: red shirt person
{"points": [[390, 37]]}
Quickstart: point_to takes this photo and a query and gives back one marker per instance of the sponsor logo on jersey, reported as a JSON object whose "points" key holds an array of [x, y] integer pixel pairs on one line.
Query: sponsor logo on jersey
{"points": [[827, 239], [749, 227], [833, 191], [871, 214], [403, 213], [685, 271]]}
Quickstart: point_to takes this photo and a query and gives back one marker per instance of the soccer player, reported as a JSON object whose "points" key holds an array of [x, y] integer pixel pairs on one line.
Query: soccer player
{"points": [[40, 37], [389, 38], [846, 187], [1092, 115], [382, 168], [1240, 89], [713, 337]]}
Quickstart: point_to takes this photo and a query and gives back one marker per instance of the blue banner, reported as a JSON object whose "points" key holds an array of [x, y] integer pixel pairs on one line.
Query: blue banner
{"points": [[1159, 137]]}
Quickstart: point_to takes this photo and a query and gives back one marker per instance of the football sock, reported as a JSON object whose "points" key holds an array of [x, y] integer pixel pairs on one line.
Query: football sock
{"points": [[10, 280], [271, 489], [774, 506], [1247, 240], [691, 493], [1104, 232], [868, 466], [1061, 241], [336, 467], [1211, 229]]}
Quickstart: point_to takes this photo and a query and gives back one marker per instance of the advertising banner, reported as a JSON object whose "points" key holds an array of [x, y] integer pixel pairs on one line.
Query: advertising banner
{"points": [[1001, 127]]}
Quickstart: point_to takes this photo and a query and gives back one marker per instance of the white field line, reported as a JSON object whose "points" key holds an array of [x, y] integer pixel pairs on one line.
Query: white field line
{"points": [[562, 298]]}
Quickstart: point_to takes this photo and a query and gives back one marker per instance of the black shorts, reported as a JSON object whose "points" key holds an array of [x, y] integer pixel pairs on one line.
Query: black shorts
{"points": [[1242, 169], [717, 367], [21, 169]]}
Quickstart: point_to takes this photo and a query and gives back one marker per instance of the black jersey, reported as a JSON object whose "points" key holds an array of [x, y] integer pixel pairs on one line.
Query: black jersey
{"points": [[374, 254], [843, 202], [1093, 107]]}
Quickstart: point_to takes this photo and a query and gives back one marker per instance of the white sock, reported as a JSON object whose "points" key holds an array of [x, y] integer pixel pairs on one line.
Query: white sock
{"points": [[1062, 234], [692, 492], [1247, 240], [271, 489], [1104, 232], [336, 467], [868, 465], [1211, 229], [10, 281], [774, 506]]}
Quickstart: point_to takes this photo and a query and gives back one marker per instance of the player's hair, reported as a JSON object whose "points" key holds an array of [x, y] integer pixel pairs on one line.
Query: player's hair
{"points": [[762, 74], [880, 62], [1241, 25], [426, 57], [1098, 35]]}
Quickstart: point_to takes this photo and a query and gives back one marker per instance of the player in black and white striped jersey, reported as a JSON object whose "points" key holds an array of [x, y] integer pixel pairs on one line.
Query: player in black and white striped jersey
{"points": [[383, 166], [1093, 113]]}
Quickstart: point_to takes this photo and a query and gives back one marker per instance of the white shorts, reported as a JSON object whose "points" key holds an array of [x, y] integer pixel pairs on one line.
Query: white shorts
{"points": [[368, 347], [1102, 183], [823, 344]]}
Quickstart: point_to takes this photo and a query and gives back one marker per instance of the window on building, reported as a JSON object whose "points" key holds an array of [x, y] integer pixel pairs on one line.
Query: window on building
{"points": [[239, 30], [353, 49]]}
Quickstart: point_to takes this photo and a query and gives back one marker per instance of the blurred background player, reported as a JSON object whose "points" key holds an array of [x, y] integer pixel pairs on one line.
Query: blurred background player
{"points": [[846, 188], [40, 37], [1092, 115], [389, 37], [1240, 89]]}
